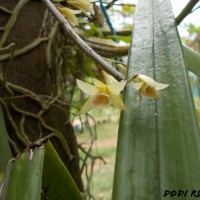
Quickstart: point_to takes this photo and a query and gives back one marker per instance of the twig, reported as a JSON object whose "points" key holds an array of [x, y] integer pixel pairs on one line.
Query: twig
{"points": [[50, 42], [14, 145], [53, 131], [22, 90], [58, 84], [25, 49], [88, 50], [21, 129], [87, 153], [90, 179], [42, 103], [42, 30], [9, 67], [48, 105], [11, 45], [13, 125], [5, 10], [186, 11]]}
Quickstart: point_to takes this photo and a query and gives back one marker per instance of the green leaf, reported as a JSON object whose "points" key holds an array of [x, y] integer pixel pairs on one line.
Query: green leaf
{"points": [[36, 171], [57, 182], [24, 177], [5, 152], [159, 141], [192, 60]]}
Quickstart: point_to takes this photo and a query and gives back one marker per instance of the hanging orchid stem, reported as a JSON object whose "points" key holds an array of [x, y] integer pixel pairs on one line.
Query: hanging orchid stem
{"points": [[88, 50]]}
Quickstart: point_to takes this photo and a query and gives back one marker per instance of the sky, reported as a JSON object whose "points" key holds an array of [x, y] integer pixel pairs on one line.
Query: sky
{"points": [[177, 6], [193, 18]]}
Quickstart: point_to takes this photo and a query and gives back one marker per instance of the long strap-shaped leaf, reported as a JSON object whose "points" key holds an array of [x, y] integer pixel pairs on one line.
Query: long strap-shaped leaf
{"points": [[23, 177], [57, 182], [159, 141], [40, 171], [192, 59], [5, 152]]}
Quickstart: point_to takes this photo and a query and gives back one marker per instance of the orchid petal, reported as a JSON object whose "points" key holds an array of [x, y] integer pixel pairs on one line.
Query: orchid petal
{"points": [[86, 107], [160, 86], [69, 14], [116, 100], [82, 5], [87, 88], [137, 86], [116, 88], [108, 78], [99, 84], [122, 68], [147, 80]]}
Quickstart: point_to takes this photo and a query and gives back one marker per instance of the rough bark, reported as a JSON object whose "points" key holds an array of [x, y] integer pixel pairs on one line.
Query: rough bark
{"points": [[39, 72]]}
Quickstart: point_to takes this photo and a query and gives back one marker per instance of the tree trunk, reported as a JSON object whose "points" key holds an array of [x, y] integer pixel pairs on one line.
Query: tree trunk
{"points": [[32, 81]]}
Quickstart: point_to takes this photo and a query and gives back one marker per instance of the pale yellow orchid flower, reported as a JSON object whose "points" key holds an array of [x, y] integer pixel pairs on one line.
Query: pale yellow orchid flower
{"points": [[83, 5], [70, 15], [102, 95], [147, 86]]}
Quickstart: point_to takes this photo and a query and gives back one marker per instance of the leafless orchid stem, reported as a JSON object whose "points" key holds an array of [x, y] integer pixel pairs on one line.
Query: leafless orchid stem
{"points": [[87, 49]]}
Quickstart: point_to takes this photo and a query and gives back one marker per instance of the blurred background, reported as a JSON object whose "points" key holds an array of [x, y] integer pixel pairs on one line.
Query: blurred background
{"points": [[43, 99], [97, 131]]}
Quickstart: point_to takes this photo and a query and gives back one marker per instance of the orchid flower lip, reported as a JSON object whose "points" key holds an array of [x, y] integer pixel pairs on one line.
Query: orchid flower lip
{"points": [[101, 94], [101, 100], [147, 86]]}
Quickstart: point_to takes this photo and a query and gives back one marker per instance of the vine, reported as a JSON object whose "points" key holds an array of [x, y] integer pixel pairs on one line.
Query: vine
{"points": [[25, 49], [12, 20]]}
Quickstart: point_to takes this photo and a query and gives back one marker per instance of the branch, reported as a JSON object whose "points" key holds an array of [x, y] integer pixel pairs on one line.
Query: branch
{"points": [[88, 50], [186, 11]]}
